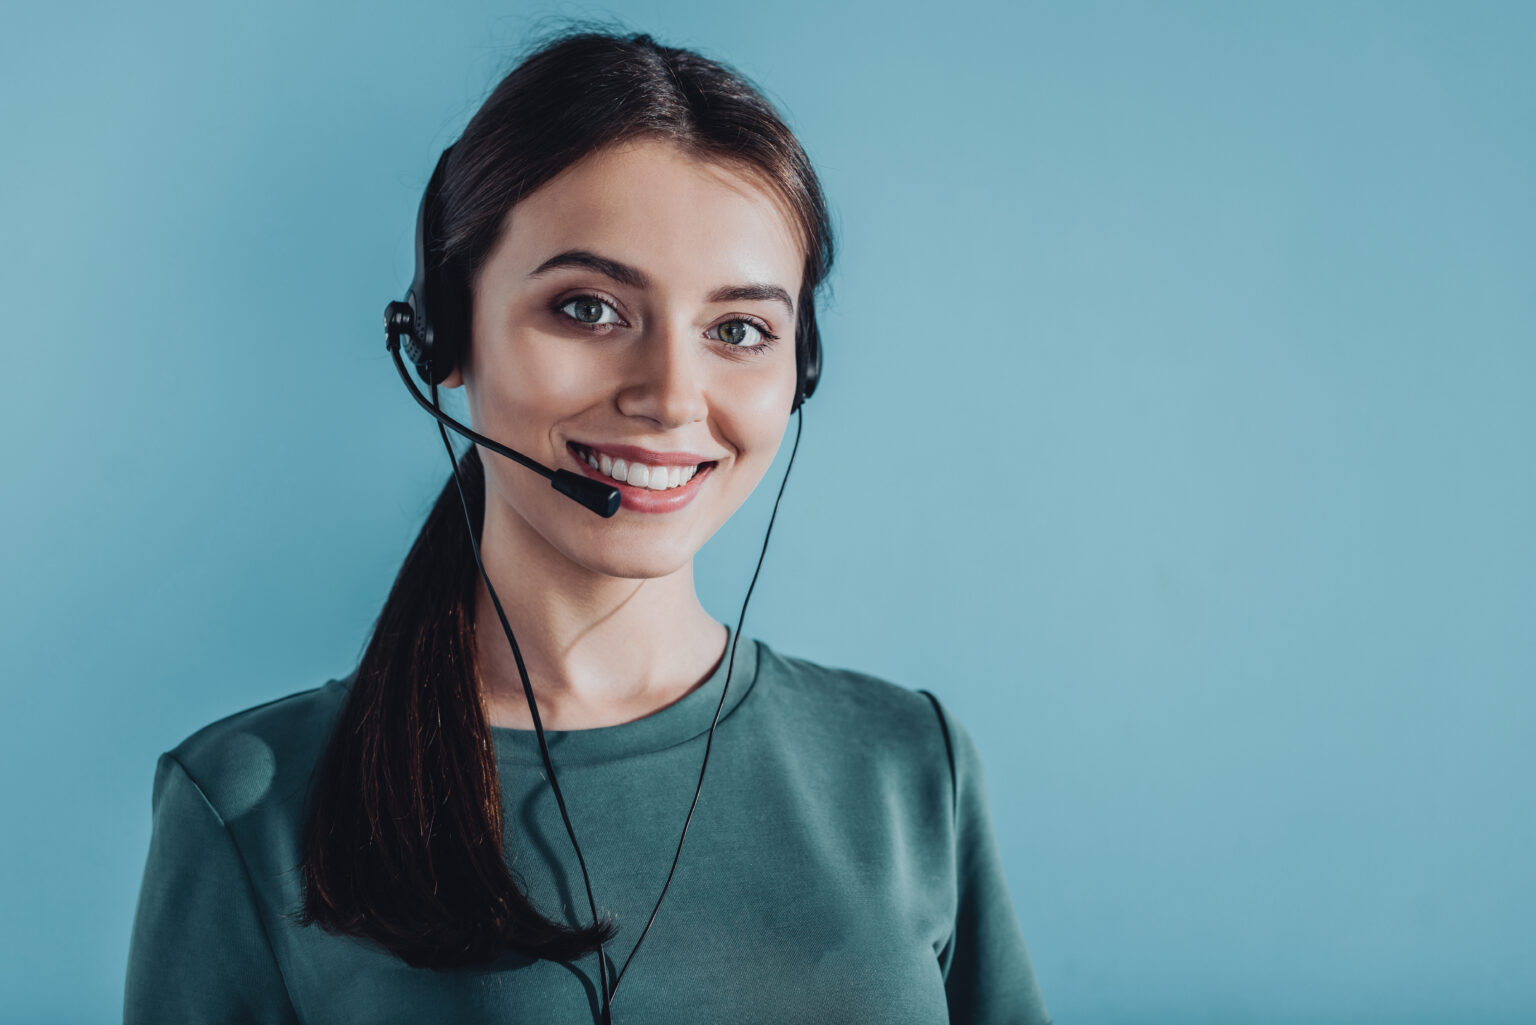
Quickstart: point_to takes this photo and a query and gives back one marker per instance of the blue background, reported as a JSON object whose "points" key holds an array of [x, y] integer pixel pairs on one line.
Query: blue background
{"points": [[1176, 429]]}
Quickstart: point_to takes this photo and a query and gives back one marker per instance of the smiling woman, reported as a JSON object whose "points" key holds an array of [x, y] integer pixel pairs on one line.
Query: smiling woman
{"points": [[636, 304], [489, 817]]}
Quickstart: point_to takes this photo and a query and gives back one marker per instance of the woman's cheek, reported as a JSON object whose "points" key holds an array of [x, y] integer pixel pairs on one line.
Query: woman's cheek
{"points": [[560, 371], [538, 381], [755, 420]]}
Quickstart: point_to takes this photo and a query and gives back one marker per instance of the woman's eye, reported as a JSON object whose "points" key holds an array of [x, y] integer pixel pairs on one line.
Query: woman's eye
{"points": [[741, 332], [589, 310]]}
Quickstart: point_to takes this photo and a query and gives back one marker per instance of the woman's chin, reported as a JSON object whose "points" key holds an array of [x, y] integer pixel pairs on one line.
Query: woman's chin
{"points": [[632, 562]]}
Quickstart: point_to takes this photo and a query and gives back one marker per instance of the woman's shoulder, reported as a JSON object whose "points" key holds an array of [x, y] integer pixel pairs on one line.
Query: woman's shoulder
{"points": [[883, 714], [848, 691], [263, 753]]}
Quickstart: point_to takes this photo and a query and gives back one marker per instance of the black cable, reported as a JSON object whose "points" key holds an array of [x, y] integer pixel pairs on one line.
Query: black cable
{"points": [[709, 742], [533, 708], [607, 993]]}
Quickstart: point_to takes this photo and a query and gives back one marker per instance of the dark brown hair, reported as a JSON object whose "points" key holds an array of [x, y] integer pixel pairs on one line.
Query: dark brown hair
{"points": [[404, 837]]}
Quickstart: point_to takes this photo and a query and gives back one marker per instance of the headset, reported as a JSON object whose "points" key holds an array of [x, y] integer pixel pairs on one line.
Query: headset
{"points": [[432, 324]]}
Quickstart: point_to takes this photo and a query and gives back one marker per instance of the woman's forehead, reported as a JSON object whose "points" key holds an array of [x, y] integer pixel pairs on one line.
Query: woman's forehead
{"points": [[653, 206]]}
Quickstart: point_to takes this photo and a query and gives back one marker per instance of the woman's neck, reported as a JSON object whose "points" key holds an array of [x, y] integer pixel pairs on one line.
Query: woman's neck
{"points": [[600, 650]]}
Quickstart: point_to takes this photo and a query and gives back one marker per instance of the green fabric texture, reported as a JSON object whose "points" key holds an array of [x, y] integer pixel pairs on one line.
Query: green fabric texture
{"points": [[841, 867]]}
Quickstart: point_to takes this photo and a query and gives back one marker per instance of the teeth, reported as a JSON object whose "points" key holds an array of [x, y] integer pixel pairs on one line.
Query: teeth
{"points": [[652, 478]]}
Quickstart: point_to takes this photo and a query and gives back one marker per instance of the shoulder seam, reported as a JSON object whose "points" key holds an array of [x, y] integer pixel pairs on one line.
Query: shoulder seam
{"points": [[949, 753], [209, 727], [946, 953], [245, 870]]}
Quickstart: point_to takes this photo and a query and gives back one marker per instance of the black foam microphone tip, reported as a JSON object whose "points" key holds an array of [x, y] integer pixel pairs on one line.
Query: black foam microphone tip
{"points": [[601, 498]]}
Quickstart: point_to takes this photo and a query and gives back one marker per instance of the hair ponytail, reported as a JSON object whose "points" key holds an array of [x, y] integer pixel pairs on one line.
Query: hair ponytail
{"points": [[404, 844]]}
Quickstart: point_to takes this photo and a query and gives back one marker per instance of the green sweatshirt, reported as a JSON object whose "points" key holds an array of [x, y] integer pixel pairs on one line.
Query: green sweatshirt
{"points": [[841, 868]]}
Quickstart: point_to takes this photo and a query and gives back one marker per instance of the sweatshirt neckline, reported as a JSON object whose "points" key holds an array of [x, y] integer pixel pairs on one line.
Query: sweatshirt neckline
{"points": [[686, 718]]}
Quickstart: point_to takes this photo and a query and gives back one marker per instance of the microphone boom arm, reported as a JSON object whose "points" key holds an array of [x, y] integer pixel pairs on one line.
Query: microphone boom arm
{"points": [[591, 494]]}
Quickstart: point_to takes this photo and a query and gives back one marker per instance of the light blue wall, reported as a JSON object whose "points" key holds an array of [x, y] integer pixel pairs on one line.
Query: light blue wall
{"points": [[1177, 429]]}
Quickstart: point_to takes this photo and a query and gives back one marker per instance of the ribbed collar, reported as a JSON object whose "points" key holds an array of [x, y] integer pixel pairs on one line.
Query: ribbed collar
{"points": [[675, 724]]}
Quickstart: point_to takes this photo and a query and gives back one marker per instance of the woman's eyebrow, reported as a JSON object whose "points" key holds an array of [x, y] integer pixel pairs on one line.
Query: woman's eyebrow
{"points": [[752, 293], [634, 277], [623, 273]]}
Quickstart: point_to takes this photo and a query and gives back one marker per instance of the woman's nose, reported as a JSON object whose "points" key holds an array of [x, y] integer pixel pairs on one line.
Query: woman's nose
{"points": [[665, 381]]}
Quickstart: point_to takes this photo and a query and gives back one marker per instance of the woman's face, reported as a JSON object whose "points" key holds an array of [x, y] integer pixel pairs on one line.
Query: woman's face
{"points": [[638, 306]]}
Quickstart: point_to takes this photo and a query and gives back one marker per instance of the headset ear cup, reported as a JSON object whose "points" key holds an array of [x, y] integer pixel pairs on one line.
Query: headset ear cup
{"points": [[436, 294], [808, 356], [449, 321], [813, 359], [407, 317]]}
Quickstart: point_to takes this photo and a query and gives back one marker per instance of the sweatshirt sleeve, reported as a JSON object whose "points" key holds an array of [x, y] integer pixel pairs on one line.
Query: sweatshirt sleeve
{"points": [[199, 950], [988, 976]]}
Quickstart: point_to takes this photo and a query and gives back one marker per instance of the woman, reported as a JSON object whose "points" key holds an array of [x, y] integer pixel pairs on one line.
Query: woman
{"points": [[501, 815]]}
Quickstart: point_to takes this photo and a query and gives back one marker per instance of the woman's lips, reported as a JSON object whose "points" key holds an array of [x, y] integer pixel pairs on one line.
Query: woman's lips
{"points": [[644, 499], [650, 457]]}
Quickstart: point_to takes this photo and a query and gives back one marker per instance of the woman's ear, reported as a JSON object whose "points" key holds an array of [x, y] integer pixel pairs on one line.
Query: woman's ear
{"points": [[453, 380]]}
